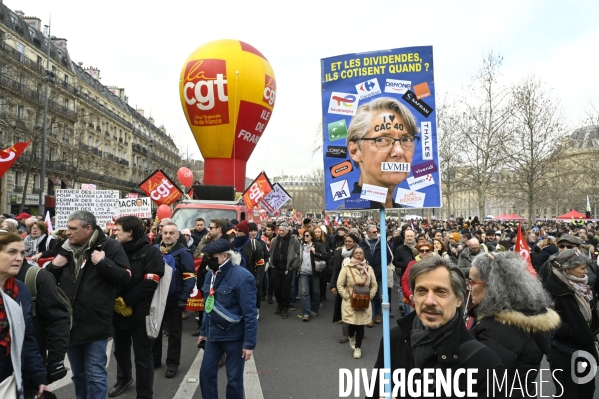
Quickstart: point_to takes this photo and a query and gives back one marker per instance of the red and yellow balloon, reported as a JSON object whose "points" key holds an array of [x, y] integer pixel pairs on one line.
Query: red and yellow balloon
{"points": [[227, 91]]}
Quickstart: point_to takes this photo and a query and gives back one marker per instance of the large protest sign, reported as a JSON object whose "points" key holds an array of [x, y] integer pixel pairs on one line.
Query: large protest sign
{"points": [[140, 207], [104, 204], [275, 199], [379, 128]]}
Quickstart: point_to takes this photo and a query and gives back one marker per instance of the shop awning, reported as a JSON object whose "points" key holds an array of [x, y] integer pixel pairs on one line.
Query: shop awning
{"points": [[54, 181], [66, 183]]}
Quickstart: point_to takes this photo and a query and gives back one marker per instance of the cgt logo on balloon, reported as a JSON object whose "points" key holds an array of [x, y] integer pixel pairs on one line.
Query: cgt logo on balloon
{"points": [[205, 92], [270, 90]]}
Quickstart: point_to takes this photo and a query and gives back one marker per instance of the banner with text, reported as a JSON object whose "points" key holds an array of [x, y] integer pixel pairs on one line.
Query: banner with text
{"points": [[161, 188], [274, 200], [256, 192], [104, 204], [140, 207], [379, 128]]}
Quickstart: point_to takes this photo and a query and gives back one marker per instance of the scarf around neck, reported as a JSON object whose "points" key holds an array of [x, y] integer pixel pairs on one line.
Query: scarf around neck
{"points": [[12, 290], [346, 253], [362, 267], [424, 341], [581, 291]]}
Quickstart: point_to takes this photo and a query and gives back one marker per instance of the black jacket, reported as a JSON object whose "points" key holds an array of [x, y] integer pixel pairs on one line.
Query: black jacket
{"points": [[519, 340], [546, 252], [51, 247], [402, 256], [573, 330], [52, 322], [144, 259], [92, 292], [184, 275], [197, 236], [320, 253], [448, 355]]}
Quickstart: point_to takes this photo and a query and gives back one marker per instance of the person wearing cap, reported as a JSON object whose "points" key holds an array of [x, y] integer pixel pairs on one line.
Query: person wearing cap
{"points": [[186, 233], [285, 258], [230, 324], [565, 242], [567, 284], [252, 255], [21, 219], [491, 242]]}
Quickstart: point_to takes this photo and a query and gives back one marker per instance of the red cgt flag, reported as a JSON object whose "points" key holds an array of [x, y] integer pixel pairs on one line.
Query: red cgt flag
{"points": [[523, 249], [160, 188], [10, 155], [259, 188]]}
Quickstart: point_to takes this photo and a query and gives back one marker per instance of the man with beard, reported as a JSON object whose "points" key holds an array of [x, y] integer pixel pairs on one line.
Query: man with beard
{"points": [[434, 336], [491, 242], [286, 259], [235, 333]]}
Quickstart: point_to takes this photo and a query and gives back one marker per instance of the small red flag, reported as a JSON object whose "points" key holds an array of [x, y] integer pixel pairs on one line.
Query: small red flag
{"points": [[327, 221], [523, 249], [10, 155]]}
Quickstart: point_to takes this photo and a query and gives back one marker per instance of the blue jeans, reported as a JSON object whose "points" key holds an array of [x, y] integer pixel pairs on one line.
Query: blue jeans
{"points": [[310, 303], [234, 365], [293, 292], [88, 365], [377, 301]]}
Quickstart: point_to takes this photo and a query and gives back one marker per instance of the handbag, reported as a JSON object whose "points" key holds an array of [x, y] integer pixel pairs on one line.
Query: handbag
{"points": [[320, 265], [8, 387], [359, 298]]}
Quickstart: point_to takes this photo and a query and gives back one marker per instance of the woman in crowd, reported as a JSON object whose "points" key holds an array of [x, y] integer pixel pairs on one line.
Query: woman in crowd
{"points": [[350, 243], [440, 249], [133, 305], [549, 248], [10, 226], [16, 323], [511, 314], [567, 285], [312, 251], [42, 243], [425, 249], [321, 237], [356, 272]]}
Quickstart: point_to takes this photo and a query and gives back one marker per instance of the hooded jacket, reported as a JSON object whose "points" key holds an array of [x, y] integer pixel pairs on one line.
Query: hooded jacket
{"points": [[529, 339]]}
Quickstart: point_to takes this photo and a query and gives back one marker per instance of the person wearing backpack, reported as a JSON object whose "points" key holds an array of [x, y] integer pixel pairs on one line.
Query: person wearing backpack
{"points": [[182, 284], [51, 317], [132, 306]]}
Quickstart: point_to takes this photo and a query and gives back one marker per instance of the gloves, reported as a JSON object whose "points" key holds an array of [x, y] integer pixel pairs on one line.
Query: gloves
{"points": [[56, 371], [182, 305], [121, 307]]}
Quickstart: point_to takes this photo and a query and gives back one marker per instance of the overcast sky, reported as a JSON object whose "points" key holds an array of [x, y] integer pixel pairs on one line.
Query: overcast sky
{"points": [[142, 45]]}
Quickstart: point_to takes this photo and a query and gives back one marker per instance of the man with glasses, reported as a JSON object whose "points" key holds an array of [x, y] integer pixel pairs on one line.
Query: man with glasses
{"points": [[382, 131], [285, 258], [563, 243], [465, 259], [372, 251], [184, 276]]}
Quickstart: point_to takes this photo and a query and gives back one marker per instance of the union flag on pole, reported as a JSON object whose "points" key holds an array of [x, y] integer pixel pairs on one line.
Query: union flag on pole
{"points": [[327, 221], [523, 249], [10, 155]]}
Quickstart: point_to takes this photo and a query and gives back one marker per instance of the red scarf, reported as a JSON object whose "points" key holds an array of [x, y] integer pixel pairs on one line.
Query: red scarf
{"points": [[12, 290]]}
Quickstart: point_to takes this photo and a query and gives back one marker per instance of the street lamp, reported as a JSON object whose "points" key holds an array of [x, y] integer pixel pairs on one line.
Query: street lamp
{"points": [[48, 75]]}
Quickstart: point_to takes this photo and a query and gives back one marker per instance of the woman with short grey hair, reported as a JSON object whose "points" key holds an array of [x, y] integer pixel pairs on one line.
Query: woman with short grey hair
{"points": [[511, 312], [567, 284]]}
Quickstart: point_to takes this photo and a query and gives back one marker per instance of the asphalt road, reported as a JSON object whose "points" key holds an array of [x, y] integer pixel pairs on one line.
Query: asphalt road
{"points": [[293, 359]]}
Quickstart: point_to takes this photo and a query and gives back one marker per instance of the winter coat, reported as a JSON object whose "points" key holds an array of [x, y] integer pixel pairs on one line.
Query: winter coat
{"points": [[375, 258], [573, 331], [294, 260], [546, 252], [320, 253], [145, 261], [402, 256], [184, 275], [405, 283], [197, 236], [93, 291], [447, 356], [345, 286], [32, 366], [47, 246], [529, 339], [52, 322], [465, 260]]}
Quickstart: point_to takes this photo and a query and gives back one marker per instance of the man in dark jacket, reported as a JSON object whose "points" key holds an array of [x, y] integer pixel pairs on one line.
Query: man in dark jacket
{"points": [[133, 305], [89, 267], [265, 255], [435, 336], [285, 258], [199, 231], [184, 275], [405, 253], [372, 252], [565, 242], [51, 321]]}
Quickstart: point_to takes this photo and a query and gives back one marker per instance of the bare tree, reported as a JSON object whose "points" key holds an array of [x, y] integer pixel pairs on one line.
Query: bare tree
{"points": [[534, 147], [483, 128]]}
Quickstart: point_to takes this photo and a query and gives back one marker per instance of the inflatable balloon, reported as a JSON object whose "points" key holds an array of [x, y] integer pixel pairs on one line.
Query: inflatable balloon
{"points": [[227, 91], [163, 211], [185, 176]]}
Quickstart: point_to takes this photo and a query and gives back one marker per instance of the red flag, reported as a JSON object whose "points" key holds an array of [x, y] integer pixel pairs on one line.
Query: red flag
{"points": [[327, 221], [160, 188], [259, 188], [523, 249], [10, 155]]}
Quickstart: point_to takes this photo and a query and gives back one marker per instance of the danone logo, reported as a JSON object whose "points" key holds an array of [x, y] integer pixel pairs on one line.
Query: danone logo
{"points": [[205, 92], [270, 90]]}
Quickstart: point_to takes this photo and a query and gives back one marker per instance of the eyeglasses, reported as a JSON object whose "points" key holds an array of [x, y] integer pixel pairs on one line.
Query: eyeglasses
{"points": [[212, 227], [385, 143], [470, 283], [424, 251], [567, 246], [307, 235]]}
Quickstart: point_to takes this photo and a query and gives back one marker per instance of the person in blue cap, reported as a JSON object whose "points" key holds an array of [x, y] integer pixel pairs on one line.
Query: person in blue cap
{"points": [[230, 324]]}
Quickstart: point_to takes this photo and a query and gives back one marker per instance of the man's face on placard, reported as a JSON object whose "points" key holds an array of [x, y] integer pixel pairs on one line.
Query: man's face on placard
{"points": [[370, 154]]}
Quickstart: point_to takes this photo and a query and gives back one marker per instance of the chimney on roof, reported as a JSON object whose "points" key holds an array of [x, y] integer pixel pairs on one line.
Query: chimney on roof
{"points": [[20, 13], [162, 129], [140, 111], [151, 120], [93, 72], [34, 22], [61, 44]]}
